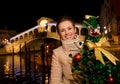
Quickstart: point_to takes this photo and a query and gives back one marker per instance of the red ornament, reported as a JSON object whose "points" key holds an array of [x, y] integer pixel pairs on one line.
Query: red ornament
{"points": [[77, 57], [110, 80]]}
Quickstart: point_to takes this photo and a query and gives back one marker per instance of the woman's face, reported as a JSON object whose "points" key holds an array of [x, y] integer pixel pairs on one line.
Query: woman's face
{"points": [[66, 30]]}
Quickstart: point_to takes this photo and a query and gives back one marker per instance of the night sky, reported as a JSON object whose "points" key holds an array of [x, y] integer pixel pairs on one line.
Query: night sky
{"points": [[20, 15]]}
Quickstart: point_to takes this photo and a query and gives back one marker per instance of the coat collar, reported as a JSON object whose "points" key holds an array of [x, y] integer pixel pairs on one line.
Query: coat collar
{"points": [[72, 45]]}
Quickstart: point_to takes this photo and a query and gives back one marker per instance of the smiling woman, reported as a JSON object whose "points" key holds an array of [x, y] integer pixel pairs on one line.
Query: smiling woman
{"points": [[71, 43]]}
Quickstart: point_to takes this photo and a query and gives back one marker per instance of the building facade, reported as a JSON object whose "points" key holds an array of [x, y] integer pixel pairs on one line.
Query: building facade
{"points": [[110, 17]]}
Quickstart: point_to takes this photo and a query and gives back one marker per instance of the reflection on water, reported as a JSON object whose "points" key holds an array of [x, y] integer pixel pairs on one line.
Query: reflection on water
{"points": [[6, 68], [6, 64], [19, 69]]}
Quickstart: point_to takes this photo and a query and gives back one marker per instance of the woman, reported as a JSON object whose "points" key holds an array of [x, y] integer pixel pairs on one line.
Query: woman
{"points": [[61, 59]]}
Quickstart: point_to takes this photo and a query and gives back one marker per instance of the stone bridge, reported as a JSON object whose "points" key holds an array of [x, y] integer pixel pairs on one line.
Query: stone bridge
{"points": [[35, 36]]}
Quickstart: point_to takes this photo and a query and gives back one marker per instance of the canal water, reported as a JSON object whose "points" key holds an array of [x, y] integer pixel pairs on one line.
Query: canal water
{"points": [[16, 66], [6, 64]]}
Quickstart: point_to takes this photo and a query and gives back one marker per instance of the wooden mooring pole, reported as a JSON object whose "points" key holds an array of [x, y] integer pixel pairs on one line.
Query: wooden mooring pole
{"points": [[43, 64], [13, 61], [20, 53]]}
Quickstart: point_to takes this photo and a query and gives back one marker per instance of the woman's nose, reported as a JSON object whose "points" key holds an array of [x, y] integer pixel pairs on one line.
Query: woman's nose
{"points": [[66, 32]]}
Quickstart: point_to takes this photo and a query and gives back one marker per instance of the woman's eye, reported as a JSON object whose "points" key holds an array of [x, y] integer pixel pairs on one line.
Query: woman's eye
{"points": [[62, 30], [69, 28]]}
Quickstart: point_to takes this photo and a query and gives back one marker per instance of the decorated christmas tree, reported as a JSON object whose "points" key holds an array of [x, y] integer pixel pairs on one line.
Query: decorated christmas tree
{"points": [[95, 64]]}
